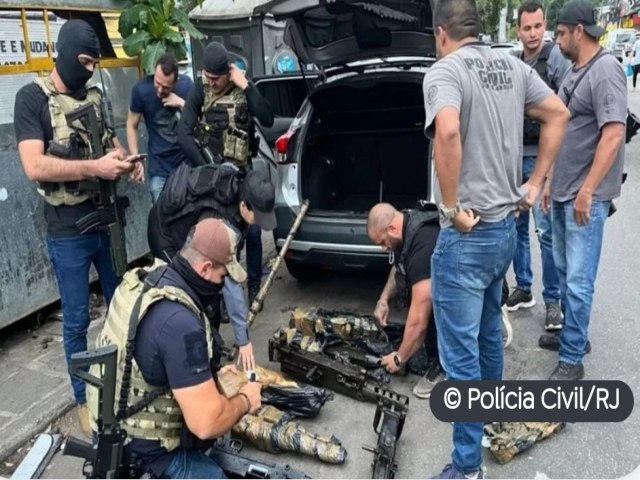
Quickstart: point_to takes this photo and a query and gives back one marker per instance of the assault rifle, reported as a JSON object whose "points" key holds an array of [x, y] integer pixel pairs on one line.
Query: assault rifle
{"points": [[226, 453], [104, 458], [109, 215]]}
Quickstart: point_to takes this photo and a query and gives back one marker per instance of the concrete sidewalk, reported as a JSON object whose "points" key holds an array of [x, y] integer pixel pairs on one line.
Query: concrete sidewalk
{"points": [[34, 384]]}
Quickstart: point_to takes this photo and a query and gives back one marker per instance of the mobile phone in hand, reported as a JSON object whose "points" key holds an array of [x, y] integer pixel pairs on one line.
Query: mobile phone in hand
{"points": [[136, 158]]}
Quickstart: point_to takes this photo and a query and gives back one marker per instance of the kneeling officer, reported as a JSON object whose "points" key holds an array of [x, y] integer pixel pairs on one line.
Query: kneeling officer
{"points": [[169, 365]]}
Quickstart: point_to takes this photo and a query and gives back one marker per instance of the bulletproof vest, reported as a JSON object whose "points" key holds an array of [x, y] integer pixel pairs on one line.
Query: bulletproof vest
{"points": [[226, 125], [415, 219], [531, 134], [162, 418], [191, 190], [70, 142]]}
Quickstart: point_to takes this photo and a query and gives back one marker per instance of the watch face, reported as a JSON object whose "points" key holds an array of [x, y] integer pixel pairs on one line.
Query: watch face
{"points": [[396, 360]]}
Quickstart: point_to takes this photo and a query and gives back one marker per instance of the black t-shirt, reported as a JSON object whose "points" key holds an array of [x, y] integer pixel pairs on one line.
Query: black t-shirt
{"points": [[418, 262], [32, 121], [171, 349]]}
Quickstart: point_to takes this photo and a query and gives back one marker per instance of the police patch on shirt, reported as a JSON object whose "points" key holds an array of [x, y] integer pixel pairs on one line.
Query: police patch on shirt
{"points": [[431, 94], [196, 349]]}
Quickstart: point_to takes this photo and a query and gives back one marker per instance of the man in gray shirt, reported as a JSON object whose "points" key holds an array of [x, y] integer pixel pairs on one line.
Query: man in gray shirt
{"points": [[548, 62], [586, 177], [475, 101]]}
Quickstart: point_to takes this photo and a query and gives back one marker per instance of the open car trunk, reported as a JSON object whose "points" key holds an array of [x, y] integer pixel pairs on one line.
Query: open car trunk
{"points": [[366, 144]]}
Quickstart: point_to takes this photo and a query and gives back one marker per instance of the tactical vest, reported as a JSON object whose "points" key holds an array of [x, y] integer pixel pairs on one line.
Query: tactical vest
{"points": [[162, 418], [226, 125], [189, 191], [69, 142], [531, 134], [414, 219]]}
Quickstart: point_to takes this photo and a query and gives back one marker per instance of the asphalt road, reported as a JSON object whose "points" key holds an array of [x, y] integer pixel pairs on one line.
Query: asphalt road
{"points": [[587, 450]]}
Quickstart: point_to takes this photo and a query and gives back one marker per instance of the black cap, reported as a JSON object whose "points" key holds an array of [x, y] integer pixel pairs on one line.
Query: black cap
{"points": [[260, 194], [581, 12], [216, 59]]}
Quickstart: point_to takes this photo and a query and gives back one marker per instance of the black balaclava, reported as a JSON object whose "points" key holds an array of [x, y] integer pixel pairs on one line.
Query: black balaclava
{"points": [[75, 37], [201, 286], [216, 59]]}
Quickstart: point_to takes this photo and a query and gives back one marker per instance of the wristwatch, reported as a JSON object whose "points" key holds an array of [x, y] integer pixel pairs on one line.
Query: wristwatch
{"points": [[397, 360], [447, 213]]}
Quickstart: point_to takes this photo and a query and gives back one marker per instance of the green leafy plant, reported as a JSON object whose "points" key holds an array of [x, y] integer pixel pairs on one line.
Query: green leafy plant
{"points": [[153, 27]]}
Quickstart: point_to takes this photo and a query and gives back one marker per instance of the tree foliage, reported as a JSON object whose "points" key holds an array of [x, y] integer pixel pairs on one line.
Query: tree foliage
{"points": [[489, 11], [152, 27]]}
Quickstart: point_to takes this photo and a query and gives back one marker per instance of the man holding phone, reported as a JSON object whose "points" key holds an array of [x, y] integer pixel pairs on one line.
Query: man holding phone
{"points": [[159, 98]]}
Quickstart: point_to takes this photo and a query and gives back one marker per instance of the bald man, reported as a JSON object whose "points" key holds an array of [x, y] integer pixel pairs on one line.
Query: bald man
{"points": [[411, 236]]}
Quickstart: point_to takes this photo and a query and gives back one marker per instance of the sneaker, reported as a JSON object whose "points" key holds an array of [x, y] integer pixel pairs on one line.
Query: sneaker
{"points": [[551, 341], [425, 385], [83, 418], [554, 319], [566, 371], [520, 299], [450, 471]]}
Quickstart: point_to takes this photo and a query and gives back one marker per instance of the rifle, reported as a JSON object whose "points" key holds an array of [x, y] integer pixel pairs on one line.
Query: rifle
{"points": [[104, 458], [391, 410], [109, 215], [226, 453]]}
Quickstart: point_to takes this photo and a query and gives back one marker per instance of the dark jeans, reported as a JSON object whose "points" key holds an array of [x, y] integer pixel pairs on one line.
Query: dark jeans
{"points": [[522, 258], [636, 69], [192, 464], [71, 258], [254, 255]]}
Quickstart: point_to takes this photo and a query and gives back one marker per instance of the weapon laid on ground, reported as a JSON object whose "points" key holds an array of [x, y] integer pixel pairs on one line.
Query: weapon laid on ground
{"points": [[272, 430], [388, 423], [256, 305], [226, 453], [103, 459], [109, 215]]}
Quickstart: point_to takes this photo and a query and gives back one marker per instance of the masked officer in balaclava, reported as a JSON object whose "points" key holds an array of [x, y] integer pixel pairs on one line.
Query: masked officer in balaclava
{"points": [[218, 116], [58, 159]]}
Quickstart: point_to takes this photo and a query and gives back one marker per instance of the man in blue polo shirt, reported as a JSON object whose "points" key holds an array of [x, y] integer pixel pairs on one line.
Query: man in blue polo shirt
{"points": [[159, 98]]}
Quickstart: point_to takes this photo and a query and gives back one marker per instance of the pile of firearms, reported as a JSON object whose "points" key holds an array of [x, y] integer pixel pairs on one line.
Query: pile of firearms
{"points": [[341, 351]]}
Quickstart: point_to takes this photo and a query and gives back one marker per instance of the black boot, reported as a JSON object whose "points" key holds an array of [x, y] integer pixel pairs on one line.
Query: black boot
{"points": [[551, 341], [566, 371]]}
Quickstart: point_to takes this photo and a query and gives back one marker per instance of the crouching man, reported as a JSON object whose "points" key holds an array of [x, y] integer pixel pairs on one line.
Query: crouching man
{"points": [[411, 237], [167, 357]]}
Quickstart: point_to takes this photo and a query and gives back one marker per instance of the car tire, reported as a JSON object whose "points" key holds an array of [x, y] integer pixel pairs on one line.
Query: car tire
{"points": [[302, 272]]}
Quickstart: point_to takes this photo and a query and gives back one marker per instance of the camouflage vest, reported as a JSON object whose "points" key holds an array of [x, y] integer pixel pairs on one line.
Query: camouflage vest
{"points": [[162, 419], [68, 193], [225, 124]]}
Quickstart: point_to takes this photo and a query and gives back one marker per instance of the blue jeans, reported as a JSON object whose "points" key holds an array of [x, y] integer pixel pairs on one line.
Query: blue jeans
{"points": [[192, 464], [522, 258], [576, 250], [467, 275], [254, 255], [71, 258], [156, 184]]}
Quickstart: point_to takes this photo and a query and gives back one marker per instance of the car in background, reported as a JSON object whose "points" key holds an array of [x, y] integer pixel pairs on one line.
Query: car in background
{"points": [[512, 48], [358, 137], [620, 41]]}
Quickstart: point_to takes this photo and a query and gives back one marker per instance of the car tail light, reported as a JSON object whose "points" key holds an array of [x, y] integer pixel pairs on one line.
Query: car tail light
{"points": [[282, 144]]}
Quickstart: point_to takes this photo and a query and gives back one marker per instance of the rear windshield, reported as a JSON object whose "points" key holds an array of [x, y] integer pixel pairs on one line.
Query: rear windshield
{"points": [[367, 21]]}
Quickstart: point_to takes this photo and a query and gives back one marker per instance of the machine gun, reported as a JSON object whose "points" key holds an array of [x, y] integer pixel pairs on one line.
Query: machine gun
{"points": [[352, 381], [104, 458], [388, 423], [109, 215], [226, 453]]}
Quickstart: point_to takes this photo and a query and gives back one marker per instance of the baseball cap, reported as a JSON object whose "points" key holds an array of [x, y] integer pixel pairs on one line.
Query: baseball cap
{"points": [[217, 241], [261, 195], [581, 12]]}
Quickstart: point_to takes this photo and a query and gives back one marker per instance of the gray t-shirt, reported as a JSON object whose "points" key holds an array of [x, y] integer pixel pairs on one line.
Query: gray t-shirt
{"points": [[491, 90], [600, 98], [557, 68]]}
